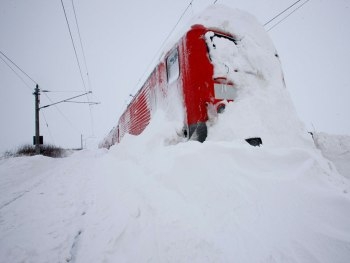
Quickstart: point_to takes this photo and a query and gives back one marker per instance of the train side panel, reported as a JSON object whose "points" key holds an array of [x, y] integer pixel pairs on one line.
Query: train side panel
{"points": [[138, 113]]}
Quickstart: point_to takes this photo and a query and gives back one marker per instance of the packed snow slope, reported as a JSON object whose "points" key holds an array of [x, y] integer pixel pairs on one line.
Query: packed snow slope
{"points": [[157, 198]]}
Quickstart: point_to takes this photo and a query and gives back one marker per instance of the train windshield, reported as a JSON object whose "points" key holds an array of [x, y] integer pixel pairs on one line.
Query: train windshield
{"points": [[222, 49]]}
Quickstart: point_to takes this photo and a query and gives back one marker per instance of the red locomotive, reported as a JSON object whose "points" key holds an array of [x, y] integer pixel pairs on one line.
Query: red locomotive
{"points": [[192, 66]]}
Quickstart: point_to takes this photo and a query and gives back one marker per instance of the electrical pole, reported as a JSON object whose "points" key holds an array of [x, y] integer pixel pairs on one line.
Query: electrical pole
{"points": [[37, 126], [37, 138]]}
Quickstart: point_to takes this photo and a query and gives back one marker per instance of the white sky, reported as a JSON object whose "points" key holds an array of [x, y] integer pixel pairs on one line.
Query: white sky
{"points": [[121, 38]]}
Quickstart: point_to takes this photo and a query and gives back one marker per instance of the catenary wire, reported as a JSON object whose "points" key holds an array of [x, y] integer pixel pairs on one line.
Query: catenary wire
{"points": [[288, 15], [86, 67], [75, 50], [76, 55], [81, 45], [2, 53], [25, 83], [285, 10]]}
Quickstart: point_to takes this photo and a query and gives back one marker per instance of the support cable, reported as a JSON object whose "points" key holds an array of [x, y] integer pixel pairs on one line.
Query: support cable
{"points": [[90, 103], [285, 10], [25, 83], [76, 55], [87, 70], [64, 91], [288, 15], [66, 100], [2, 53], [81, 45]]}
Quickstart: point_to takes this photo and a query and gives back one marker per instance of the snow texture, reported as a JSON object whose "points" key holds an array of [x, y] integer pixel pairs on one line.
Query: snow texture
{"points": [[146, 200], [335, 148], [155, 198]]}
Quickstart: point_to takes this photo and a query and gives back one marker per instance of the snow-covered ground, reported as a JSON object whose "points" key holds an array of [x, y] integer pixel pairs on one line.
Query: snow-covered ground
{"points": [[143, 201], [156, 198]]}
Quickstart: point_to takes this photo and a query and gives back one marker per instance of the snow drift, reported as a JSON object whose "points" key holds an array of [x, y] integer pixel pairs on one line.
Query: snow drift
{"points": [[142, 201]]}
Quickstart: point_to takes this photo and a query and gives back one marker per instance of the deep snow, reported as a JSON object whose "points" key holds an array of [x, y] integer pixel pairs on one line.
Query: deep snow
{"points": [[156, 198], [143, 201]]}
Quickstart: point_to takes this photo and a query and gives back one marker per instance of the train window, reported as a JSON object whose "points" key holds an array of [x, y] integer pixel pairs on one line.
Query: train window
{"points": [[216, 41], [222, 53], [172, 66]]}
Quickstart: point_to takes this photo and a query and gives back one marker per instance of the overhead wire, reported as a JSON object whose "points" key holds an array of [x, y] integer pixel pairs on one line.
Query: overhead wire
{"points": [[77, 59], [2, 53], [81, 45], [288, 15], [75, 50], [285, 10], [25, 83], [86, 67]]}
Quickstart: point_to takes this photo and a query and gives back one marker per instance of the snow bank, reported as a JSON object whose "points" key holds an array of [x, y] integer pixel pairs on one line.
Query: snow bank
{"points": [[143, 201]]}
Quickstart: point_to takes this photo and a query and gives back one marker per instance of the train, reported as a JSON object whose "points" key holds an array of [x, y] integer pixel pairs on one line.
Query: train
{"points": [[194, 67]]}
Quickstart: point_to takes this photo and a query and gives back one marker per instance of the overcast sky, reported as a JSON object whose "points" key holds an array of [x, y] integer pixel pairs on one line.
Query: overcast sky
{"points": [[120, 39]]}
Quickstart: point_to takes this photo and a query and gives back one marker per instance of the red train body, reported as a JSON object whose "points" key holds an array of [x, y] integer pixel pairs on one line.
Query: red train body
{"points": [[189, 67]]}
